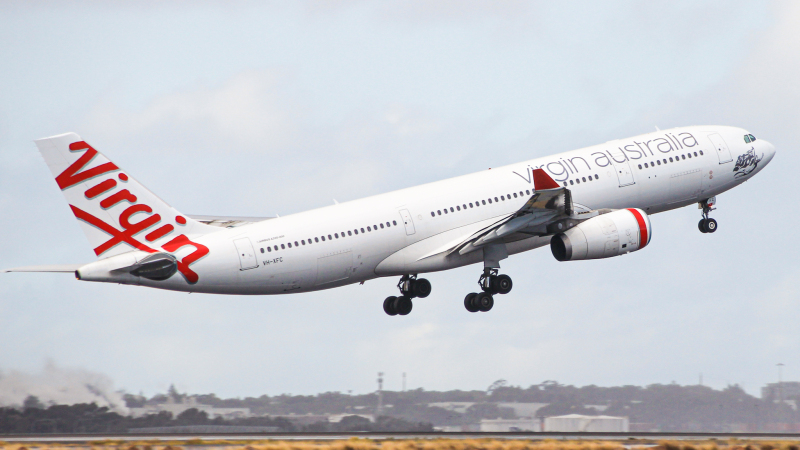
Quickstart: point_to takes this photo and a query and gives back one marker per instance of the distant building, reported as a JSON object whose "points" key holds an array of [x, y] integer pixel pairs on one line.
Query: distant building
{"points": [[495, 425], [459, 407], [524, 410], [578, 423], [336, 418], [190, 403], [790, 389]]}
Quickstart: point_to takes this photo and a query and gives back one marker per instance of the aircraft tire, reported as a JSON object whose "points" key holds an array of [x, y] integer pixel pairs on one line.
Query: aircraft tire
{"points": [[711, 226], [702, 226], [388, 306], [502, 284], [403, 305], [484, 301], [469, 303], [421, 288]]}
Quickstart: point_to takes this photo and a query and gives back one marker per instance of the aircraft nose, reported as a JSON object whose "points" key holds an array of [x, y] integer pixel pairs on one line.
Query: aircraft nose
{"points": [[768, 149]]}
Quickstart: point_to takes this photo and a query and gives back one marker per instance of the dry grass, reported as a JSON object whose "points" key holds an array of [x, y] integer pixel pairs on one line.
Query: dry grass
{"points": [[415, 444]]}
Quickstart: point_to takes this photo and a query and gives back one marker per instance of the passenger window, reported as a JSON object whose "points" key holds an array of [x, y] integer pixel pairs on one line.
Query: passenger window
{"points": [[490, 201], [515, 195], [695, 153], [329, 237], [496, 200], [303, 241], [362, 230], [355, 231], [484, 201], [369, 229], [458, 207], [571, 183], [464, 206], [445, 210], [283, 247], [323, 238], [269, 249], [527, 192], [690, 155], [645, 165], [316, 239], [262, 249], [394, 222], [659, 162], [337, 235], [381, 225], [577, 181], [640, 167], [596, 177], [276, 248], [520, 193], [295, 244], [349, 233], [565, 184], [470, 204], [584, 179], [451, 209], [433, 214], [439, 212], [289, 244], [665, 160], [670, 159], [502, 198], [683, 156], [701, 153]]}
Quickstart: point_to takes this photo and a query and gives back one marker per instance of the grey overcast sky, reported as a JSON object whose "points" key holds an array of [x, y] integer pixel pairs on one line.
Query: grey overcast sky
{"points": [[263, 108]]}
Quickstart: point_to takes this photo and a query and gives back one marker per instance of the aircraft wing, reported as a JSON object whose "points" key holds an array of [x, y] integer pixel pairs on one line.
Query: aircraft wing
{"points": [[227, 221], [549, 203]]}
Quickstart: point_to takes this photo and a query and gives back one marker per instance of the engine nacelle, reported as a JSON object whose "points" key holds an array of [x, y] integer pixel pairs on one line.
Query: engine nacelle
{"points": [[604, 236]]}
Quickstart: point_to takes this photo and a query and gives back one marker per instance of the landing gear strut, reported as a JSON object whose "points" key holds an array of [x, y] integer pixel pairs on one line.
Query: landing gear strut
{"points": [[410, 287], [491, 283], [707, 224]]}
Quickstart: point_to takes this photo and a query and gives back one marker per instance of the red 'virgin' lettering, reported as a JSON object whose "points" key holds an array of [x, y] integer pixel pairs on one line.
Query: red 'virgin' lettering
{"points": [[117, 236], [71, 176], [98, 189], [112, 200], [183, 265], [159, 232]]}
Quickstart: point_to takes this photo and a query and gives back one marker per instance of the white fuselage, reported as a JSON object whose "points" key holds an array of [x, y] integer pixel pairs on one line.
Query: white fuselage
{"points": [[407, 231]]}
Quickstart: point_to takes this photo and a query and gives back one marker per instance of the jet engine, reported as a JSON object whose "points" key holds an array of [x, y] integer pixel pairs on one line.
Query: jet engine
{"points": [[604, 236]]}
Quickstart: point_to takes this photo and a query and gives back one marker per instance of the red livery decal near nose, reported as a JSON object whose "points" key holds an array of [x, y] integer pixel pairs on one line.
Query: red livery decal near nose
{"points": [[541, 180], [643, 235]]}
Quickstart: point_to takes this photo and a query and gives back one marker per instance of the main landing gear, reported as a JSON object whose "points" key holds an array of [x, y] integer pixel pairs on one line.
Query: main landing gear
{"points": [[707, 224], [491, 284], [410, 287]]}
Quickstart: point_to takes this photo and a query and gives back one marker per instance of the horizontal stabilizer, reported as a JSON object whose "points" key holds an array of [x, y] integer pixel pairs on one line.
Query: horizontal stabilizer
{"points": [[63, 268]]}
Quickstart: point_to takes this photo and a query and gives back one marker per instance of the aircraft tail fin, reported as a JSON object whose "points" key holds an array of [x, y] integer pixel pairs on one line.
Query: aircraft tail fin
{"points": [[115, 211]]}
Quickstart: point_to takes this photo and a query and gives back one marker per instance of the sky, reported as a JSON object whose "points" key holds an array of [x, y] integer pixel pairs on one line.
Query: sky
{"points": [[263, 108]]}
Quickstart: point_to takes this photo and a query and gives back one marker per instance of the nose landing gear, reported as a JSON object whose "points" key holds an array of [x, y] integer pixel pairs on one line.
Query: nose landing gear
{"points": [[491, 284], [707, 224], [410, 287]]}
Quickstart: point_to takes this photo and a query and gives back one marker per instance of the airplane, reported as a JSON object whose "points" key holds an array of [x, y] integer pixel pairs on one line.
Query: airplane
{"points": [[590, 203]]}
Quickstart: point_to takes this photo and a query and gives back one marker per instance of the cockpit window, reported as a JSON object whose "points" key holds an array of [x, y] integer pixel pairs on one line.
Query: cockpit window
{"points": [[746, 138], [752, 138]]}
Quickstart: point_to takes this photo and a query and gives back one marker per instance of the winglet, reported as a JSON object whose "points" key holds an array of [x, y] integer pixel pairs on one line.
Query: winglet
{"points": [[541, 180]]}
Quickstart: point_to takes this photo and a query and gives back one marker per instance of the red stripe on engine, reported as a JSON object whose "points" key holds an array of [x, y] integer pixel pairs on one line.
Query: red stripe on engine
{"points": [[642, 227]]}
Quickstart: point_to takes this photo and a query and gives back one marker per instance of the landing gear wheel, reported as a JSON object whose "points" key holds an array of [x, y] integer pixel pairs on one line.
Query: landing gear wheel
{"points": [[403, 305], [469, 303], [710, 226], [502, 284], [484, 301], [702, 226], [388, 306], [421, 288]]}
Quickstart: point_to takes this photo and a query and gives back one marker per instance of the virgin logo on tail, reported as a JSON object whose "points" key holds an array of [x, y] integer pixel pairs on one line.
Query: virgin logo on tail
{"points": [[127, 233]]}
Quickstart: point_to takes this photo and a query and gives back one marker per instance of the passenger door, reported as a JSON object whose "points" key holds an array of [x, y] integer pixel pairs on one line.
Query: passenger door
{"points": [[723, 152], [247, 256], [623, 169], [408, 222]]}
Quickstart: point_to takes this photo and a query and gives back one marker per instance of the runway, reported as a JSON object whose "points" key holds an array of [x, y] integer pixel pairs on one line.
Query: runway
{"points": [[641, 436]]}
